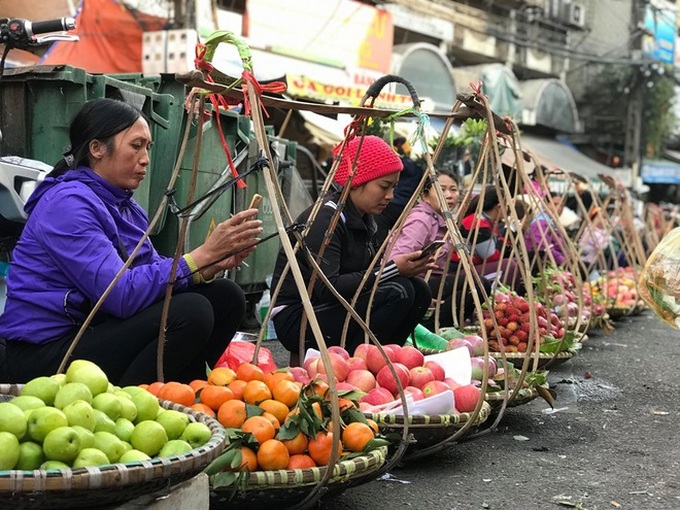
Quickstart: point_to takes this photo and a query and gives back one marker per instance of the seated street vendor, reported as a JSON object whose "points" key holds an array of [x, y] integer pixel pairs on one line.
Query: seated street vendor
{"points": [[401, 298], [83, 225], [425, 223]]}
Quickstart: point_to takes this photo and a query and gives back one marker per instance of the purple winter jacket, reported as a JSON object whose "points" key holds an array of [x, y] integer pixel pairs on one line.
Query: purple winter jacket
{"points": [[542, 236], [80, 227]]}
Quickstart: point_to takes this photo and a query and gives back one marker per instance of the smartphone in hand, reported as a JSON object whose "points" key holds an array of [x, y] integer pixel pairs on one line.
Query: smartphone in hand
{"points": [[255, 203], [431, 248]]}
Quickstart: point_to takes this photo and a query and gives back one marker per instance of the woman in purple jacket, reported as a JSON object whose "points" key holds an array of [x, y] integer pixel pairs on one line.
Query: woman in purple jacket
{"points": [[83, 224]]}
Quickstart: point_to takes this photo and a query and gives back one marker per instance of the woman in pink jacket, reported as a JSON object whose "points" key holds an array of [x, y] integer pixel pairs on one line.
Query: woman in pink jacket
{"points": [[424, 224]]}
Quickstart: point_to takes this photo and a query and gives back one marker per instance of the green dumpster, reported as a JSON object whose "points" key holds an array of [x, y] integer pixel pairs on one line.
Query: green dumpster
{"points": [[38, 104]]}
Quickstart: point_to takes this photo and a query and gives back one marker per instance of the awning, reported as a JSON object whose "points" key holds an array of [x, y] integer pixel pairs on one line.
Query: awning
{"points": [[498, 82], [428, 69], [550, 103], [555, 154]]}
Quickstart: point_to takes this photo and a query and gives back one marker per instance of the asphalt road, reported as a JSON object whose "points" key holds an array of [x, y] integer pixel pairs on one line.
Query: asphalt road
{"points": [[612, 441]]}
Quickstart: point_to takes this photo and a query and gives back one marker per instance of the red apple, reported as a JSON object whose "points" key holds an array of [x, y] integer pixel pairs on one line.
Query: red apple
{"points": [[436, 369], [394, 349], [339, 350], [362, 379], [340, 367], [435, 388], [386, 380], [416, 393], [299, 373], [312, 367], [357, 363], [420, 376], [466, 398], [362, 350], [410, 357], [375, 359], [377, 396], [345, 386], [452, 384]]}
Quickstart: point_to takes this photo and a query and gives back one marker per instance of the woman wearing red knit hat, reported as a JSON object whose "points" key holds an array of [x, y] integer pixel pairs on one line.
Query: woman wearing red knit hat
{"points": [[401, 299]]}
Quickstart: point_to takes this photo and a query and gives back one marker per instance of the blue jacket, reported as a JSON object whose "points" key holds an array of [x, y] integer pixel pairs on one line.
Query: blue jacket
{"points": [[79, 231]]}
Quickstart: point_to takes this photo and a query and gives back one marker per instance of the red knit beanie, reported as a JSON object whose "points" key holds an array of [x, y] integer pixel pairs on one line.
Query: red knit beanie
{"points": [[375, 159]]}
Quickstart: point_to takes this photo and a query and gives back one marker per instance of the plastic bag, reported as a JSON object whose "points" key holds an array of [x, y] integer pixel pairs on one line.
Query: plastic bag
{"points": [[239, 352], [659, 281]]}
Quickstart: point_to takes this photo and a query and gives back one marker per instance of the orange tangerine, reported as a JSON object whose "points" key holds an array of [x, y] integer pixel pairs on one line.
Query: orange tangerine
{"points": [[215, 396], [356, 436], [202, 408], [249, 460], [197, 384], [321, 446], [345, 403], [287, 392], [155, 387], [260, 427], [373, 425], [296, 445], [320, 387], [272, 419], [221, 376], [232, 414], [249, 372], [300, 461], [271, 378], [256, 392], [178, 393], [272, 454], [237, 387], [278, 409]]}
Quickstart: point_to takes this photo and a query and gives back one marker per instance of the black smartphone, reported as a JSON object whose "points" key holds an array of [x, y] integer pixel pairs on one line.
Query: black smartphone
{"points": [[431, 248]]}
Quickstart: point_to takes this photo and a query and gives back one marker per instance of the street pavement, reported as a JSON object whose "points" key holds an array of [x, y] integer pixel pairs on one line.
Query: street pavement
{"points": [[610, 442]]}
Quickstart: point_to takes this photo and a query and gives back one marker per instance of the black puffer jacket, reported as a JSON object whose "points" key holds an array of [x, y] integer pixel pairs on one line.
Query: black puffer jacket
{"points": [[344, 261]]}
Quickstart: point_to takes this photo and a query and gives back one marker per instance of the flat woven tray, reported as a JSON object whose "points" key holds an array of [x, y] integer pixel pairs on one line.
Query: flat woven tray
{"points": [[616, 312], [265, 490], [429, 430], [544, 358], [114, 483], [524, 396]]}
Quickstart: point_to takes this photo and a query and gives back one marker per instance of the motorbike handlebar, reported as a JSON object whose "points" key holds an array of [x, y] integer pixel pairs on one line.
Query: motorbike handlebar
{"points": [[50, 25], [20, 33]]}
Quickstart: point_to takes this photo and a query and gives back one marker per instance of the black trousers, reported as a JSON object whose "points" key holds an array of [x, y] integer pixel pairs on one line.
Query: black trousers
{"points": [[201, 322], [398, 305]]}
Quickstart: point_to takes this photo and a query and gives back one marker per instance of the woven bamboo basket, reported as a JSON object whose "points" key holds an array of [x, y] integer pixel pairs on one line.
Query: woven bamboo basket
{"points": [[544, 359], [524, 396], [429, 430], [105, 485], [617, 312], [264, 490]]}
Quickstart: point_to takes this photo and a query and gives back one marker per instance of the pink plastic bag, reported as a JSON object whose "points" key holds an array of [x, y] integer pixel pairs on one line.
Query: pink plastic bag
{"points": [[239, 352]]}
